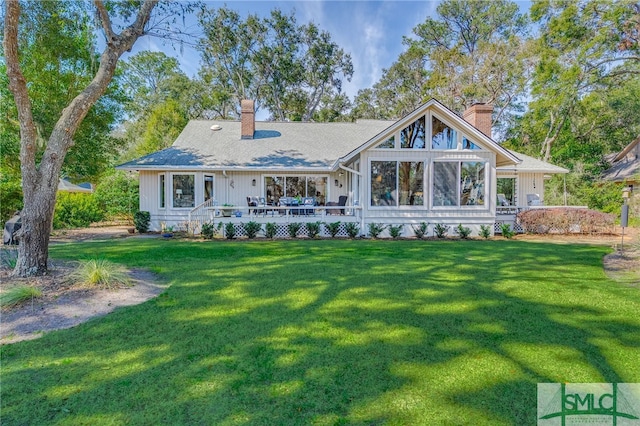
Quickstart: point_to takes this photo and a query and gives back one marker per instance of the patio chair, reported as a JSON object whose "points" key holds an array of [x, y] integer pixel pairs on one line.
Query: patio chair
{"points": [[262, 204], [309, 201], [252, 202], [342, 201], [502, 200], [534, 200]]}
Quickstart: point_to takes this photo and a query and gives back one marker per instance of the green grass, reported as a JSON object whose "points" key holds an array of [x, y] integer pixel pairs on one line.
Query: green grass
{"points": [[331, 332]]}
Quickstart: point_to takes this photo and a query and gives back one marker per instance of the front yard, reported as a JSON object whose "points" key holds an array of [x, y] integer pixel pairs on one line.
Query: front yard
{"points": [[332, 332]]}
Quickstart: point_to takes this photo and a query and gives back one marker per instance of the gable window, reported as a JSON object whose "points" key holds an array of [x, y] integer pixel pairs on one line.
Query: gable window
{"points": [[442, 136], [183, 191], [469, 144], [459, 183], [397, 183], [413, 136], [162, 189], [388, 144]]}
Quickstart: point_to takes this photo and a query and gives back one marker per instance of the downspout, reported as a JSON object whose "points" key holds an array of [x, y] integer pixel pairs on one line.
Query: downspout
{"points": [[226, 187]]}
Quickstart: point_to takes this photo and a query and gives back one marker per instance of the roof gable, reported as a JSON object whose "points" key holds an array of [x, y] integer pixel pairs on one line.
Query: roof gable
{"points": [[503, 156]]}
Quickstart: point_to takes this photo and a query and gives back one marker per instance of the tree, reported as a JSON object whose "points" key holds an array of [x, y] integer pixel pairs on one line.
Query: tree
{"points": [[40, 174], [293, 71]]}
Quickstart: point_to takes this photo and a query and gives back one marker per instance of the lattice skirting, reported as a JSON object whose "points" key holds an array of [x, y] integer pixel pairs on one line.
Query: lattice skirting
{"points": [[282, 230], [497, 227]]}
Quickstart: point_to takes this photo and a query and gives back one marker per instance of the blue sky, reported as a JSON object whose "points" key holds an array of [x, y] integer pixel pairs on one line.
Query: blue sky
{"points": [[370, 31]]}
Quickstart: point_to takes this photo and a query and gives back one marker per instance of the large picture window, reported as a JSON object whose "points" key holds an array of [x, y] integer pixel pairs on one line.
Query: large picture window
{"points": [[459, 183], [183, 191], [397, 183], [295, 186]]}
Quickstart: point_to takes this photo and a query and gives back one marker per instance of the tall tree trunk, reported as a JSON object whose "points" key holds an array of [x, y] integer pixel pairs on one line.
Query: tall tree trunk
{"points": [[40, 181]]}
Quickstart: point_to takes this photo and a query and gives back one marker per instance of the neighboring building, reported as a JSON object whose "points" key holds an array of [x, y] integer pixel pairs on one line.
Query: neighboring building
{"points": [[430, 166], [625, 166]]}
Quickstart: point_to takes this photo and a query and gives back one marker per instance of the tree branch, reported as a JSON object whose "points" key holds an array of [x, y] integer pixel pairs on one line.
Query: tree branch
{"points": [[18, 86]]}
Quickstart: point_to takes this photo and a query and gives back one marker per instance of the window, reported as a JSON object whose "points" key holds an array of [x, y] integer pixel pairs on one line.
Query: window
{"points": [[459, 183], [208, 187], [388, 144], [469, 144], [294, 186], [413, 136], [183, 191], [442, 136], [163, 189], [397, 183]]}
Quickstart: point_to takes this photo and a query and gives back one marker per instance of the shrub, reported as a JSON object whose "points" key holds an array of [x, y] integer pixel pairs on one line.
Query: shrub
{"points": [[506, 230], [462, 231], [565, 220], [485, 231], [209, 229], [353, 229], [270, 230], [421, 230], [230, 231], [313, 229], [395, 231], [118, 195], [251, 229], [141, 221], [333, 228], [17, 295], [100, 273], [375, 229], [293, 229], [76, 210], [440, 230]]}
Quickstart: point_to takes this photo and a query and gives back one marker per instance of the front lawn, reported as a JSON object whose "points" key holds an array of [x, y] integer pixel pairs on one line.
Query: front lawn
{"points": [[331, 332]]}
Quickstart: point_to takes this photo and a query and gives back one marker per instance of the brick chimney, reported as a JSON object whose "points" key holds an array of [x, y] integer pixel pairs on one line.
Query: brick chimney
{"points": [[479, 116], [247, 118]]}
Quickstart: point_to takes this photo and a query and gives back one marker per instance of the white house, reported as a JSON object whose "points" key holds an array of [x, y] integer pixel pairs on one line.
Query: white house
{"points": [[430, 166]]}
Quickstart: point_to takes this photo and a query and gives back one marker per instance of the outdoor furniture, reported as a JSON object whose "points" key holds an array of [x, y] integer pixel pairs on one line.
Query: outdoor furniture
{"points": [[534, 200], [342, 201], [309, 201], [11, 227], [502, 200]]}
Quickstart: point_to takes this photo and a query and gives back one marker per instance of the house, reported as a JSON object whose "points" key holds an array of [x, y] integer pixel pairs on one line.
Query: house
{"points": [[625, 166], [430, 166]]}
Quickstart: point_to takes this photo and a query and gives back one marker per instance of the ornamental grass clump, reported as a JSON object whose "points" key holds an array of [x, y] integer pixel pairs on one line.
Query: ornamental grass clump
{"points": [[100, 273], [17, 295]]}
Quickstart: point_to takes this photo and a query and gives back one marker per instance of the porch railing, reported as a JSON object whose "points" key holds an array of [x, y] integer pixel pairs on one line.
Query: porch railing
{"points": [[203, 213]]}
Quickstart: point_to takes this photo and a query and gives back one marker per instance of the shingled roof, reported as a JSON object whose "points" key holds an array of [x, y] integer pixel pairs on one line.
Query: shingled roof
{"points": [[275, 145]]}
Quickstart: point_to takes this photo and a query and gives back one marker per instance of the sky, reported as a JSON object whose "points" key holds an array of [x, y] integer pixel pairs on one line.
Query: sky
{"points": [[370, 31]]}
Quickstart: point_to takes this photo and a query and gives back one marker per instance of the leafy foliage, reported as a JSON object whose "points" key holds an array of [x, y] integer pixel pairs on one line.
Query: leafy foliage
{"points": [[462, 231], [230, 230], [332, 228], [294, 228], [353, 229], [76, 210], [118, 195], [209, 229], [270, 230], [251, 229], [395, 230], [375, 229], [421, 230], [507, 231], [485, 231], [566, 220], [313, 229], [141, 220], [440, 230]]}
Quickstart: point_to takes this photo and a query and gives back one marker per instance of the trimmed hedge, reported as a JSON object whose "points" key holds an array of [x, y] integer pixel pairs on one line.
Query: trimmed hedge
{"points": [[566, 221]]}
